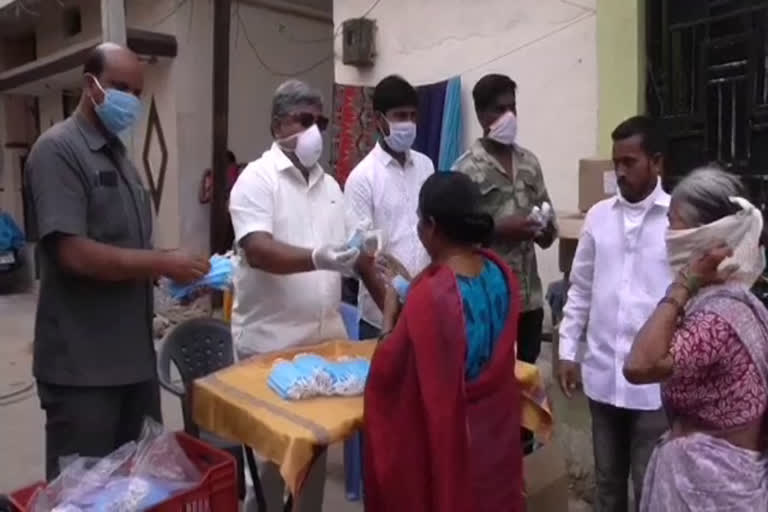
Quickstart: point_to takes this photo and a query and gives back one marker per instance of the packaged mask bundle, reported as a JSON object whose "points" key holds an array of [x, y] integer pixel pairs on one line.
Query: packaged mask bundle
{"points": [[218, 278], [543, 216], [137, 476], [310, 375]]}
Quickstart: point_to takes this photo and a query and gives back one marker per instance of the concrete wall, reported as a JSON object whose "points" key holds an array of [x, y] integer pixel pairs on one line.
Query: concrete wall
{"points": [[547, 46], [50, 27], [276, 36], [190, 84], [251, 86], [621, 64], [17, 128], [51, 109]]}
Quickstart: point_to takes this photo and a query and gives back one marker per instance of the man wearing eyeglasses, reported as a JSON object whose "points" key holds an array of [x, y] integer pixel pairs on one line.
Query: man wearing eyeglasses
{"points": [[288, 218]]}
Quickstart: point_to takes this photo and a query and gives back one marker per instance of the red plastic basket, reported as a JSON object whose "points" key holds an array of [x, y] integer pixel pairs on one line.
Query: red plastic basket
{"points": [[217, 491]]}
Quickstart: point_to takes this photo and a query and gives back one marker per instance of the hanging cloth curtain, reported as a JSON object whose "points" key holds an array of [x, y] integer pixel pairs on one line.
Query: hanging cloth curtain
{"points": [[452, 130], [430, 125]]}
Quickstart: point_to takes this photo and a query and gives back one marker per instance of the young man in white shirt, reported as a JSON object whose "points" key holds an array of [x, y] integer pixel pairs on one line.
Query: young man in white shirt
{"points": [[619, 274], [288, 216], [382, 191]]}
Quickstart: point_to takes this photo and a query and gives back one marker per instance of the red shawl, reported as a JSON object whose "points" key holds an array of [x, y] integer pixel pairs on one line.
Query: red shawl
{"points": [[432, 441]]}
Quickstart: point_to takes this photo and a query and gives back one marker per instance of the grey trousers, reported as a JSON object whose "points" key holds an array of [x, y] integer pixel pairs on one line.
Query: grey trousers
{"points": [[623, 441], [93, 421]]}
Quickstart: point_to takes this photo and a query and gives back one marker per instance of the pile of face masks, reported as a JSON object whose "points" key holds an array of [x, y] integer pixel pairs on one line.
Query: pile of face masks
{"points": [[310, 375], [219, 278]]}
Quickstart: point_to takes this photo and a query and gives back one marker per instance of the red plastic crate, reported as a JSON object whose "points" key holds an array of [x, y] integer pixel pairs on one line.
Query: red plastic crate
{"points": [[217, 491]]}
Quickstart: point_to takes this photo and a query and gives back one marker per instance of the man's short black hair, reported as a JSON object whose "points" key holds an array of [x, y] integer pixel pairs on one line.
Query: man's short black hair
{"points": [[95, 63], [231, 158], [653, 137], [394, 92], [490, 87]]}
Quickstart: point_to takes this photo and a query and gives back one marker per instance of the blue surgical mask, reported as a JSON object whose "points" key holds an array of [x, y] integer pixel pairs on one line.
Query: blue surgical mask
{"points": [[118, 111], [401, 286]]}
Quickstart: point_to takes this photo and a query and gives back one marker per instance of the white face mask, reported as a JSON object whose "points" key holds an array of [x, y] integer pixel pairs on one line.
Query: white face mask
{"points": [[504, 129], [741, 231], [401, 136], [309, 145]]}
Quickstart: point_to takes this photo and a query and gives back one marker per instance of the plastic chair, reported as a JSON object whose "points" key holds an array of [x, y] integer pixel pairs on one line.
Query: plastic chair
{"points": [[199, 347], [353, 447]]}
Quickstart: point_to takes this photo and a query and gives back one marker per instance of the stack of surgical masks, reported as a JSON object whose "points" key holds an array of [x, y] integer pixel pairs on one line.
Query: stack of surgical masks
{"points": [[218, 278], [310, 375]]}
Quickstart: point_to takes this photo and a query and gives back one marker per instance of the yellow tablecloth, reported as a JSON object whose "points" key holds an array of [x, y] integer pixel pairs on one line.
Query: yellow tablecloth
{"points": [[236, 403]]}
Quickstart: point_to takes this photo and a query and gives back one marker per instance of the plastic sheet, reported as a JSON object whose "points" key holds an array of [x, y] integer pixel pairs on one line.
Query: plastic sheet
{"points": [[137, 476]]}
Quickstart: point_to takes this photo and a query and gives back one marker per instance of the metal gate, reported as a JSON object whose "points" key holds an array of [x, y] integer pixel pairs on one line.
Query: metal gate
{"points": [[707, 82]]}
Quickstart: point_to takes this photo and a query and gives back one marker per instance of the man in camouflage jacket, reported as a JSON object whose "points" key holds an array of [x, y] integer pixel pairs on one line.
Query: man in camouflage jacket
{"points": [[512, 184]]}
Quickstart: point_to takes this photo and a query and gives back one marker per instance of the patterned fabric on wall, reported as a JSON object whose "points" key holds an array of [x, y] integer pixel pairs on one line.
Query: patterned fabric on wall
{"points": [[354, 128]]}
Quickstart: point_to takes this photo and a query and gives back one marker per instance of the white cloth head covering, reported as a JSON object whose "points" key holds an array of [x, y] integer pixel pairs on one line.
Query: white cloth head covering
{"points": [[740, 231]]}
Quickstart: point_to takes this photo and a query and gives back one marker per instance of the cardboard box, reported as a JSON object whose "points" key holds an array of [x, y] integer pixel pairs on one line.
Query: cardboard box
{"points": [[546, 480], [569, 229], [597, 181]]}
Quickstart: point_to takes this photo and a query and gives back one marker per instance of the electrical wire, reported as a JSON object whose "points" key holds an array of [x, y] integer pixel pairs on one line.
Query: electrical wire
{"points": [[23, 6], [13, 394], [173, 11], [543, 37], [18, 396], [269, 68]]}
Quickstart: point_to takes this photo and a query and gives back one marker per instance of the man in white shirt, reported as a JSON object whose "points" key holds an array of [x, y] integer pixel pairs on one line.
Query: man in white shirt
{"points": [[619, 274], [288, 216], [382, 191]]}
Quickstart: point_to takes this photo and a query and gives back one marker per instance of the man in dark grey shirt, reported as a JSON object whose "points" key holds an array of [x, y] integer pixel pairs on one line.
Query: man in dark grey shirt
{"points": [[94, 360]]}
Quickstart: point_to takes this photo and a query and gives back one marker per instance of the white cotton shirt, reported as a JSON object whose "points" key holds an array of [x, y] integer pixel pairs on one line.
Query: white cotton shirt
{"points": [[274, 312], [619, 274], [385, 195]]}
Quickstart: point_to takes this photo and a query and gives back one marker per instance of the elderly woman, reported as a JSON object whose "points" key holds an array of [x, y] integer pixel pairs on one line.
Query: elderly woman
{"points": [[707, 343]]}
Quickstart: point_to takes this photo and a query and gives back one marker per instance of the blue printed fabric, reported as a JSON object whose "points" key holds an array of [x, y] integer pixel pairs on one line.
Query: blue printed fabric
{"points": [[485, 300]]}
